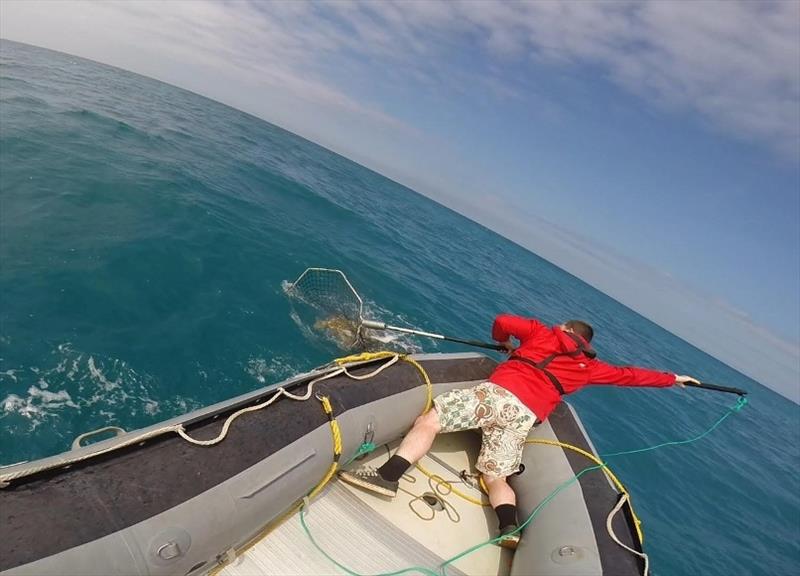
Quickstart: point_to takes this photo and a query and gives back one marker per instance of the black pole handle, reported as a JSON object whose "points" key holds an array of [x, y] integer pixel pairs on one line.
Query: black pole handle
{"points": [[718, 388], [476, 343]]}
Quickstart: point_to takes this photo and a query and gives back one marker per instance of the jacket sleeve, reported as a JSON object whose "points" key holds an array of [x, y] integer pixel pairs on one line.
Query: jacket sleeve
{"points": [[507, 325], [602, 373]]}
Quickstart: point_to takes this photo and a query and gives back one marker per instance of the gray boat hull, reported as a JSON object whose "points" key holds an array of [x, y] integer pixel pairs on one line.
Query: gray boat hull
{"points": [[166, 506]]}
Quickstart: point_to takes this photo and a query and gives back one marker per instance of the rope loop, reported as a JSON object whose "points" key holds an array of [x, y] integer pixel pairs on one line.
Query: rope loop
{"points": [[740, 403]]}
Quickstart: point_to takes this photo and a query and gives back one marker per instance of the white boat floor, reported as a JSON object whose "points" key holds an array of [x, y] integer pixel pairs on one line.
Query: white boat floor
{"points": [[371, 534]]}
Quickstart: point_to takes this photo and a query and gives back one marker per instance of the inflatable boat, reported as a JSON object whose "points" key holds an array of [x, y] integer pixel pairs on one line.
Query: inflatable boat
{"points": [[248, 486]]}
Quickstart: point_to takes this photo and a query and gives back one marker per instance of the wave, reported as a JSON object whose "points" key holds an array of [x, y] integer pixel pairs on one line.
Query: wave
{"points": [[79, 391]]}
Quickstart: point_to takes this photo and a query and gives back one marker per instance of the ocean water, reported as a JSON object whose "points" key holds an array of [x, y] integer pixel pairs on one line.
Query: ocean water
{"points": [[146, 234]]}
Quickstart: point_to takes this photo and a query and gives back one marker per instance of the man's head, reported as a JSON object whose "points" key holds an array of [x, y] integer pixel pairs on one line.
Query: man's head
{"points": [[580, 328]]}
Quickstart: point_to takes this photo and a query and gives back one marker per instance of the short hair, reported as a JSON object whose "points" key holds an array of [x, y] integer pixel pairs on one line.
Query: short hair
{"points": [[581, 328]]}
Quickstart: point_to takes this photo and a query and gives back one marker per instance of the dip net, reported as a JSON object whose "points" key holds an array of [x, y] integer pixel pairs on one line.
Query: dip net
{"points": [[337, 306]]}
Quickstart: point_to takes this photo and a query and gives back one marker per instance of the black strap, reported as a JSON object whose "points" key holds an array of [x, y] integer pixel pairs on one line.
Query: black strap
{"points": [[582, 346], [541, 366]]}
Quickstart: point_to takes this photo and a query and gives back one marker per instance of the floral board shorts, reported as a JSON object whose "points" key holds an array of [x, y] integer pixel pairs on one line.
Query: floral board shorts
{"points": [[503, 419]]}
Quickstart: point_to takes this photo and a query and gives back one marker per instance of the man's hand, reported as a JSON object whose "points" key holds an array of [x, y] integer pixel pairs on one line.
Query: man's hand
{"points": [[508, 345], [680, 380]]}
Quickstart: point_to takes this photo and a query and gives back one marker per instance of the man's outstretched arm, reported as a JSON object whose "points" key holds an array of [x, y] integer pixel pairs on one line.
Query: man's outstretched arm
{"points": [[603, 373]]}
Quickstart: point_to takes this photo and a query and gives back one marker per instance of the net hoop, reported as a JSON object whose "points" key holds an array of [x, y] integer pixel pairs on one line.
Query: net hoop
{"points": [[329, 291]]}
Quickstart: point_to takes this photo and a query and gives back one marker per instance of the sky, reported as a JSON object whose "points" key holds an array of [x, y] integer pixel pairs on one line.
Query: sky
{"points": [[649, 148]]}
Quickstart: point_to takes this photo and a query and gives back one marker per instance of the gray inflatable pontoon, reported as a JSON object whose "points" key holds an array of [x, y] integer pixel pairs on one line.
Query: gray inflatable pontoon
{"points": [[151, 502]]}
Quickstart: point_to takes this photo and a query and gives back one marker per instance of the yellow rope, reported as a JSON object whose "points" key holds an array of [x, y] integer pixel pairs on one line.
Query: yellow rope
{"points": [[364, 357], [428, 385], [368, 356], [336, 433], [606, 469], [268, 529], [337, 446]]}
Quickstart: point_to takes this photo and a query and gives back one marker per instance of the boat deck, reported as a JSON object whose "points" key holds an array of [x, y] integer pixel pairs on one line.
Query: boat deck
{"points": [[371, 534]]}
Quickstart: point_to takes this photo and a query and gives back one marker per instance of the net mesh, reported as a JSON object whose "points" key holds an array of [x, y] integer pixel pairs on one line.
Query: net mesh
{"points": [[338, 306]]}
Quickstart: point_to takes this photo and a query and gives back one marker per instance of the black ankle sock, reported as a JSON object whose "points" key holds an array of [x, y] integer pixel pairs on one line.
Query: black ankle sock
{"points": [[506, 515], [395, 467]]}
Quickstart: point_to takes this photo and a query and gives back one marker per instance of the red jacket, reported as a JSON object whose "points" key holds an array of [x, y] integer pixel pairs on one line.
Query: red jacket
{"points": [[538, 341]]}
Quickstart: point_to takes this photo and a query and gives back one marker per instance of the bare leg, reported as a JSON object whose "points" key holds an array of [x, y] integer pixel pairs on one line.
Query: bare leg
{"points": [[420, 438], [414, 446], [499, 491], [503, 500]]}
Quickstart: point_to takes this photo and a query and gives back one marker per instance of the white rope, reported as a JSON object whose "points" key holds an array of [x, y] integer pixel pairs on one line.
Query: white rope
{"points": [[179, 429], [380, 368], [609, 519], [278, 393], [282, 392]]}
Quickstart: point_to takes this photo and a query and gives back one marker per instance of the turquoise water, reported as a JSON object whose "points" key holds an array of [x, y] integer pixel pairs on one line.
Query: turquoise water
{"points": [[145, 233]]}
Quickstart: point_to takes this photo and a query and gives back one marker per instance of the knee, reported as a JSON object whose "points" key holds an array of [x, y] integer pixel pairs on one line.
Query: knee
{"points": [[429, 421], [493, 480]]}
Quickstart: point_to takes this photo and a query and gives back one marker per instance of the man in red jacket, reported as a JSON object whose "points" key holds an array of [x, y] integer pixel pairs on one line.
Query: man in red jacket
{"points": [[548, 363]]}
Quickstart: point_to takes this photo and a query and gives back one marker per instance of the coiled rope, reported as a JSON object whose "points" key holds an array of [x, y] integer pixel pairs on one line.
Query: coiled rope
{"points": [[439, 481]]}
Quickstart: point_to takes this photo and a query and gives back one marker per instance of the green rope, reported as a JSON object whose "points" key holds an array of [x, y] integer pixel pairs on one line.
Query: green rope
{"points": [[741, 402], [533, 514]]}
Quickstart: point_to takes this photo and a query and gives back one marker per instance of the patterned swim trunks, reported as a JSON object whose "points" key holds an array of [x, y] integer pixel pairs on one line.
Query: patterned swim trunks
{"points": [[504, 420]]}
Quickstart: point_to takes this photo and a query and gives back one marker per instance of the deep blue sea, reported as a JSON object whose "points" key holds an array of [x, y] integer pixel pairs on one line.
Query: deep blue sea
{"points": [[146, 233]]}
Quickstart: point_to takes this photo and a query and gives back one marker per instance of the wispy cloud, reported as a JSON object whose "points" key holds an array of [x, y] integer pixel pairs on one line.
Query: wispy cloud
{"points": [[733, 63], [274, 49]]}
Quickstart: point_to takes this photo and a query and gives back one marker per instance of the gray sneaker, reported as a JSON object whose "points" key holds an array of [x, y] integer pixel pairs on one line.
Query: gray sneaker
{"points": [[510, 537], [368, 478]]}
